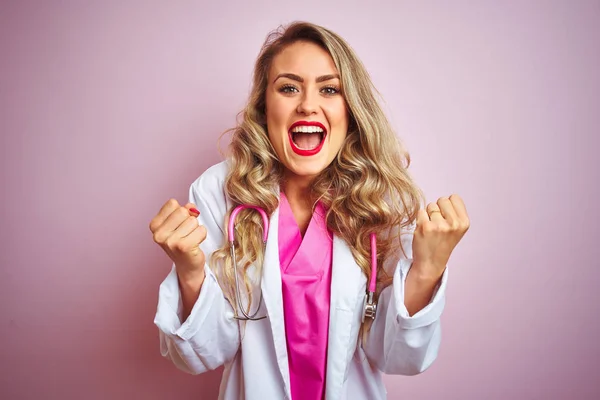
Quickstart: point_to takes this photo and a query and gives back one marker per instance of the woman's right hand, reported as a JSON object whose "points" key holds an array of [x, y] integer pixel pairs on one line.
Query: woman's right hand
{"points": [[176, 230]]}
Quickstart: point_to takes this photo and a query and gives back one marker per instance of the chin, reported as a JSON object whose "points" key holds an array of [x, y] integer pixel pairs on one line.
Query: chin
{"points": [[307, 168], [307, 172]]}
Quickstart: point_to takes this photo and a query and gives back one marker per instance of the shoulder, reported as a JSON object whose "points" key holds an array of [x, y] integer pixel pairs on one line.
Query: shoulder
{"points": [[212, 179]]}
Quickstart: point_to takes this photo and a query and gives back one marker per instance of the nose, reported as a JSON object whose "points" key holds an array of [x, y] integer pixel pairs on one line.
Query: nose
{"points": [[308, 104]]}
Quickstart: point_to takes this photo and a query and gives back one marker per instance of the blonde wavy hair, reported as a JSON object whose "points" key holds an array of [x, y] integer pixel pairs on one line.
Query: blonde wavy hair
{"points": [[365, 189]]}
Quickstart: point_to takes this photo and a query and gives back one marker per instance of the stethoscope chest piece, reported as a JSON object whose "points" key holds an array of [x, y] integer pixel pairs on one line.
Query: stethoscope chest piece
{"points": [[369, 307], [369, 304]]}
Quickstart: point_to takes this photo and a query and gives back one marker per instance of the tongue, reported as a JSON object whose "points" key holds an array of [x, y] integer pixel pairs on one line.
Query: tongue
{"points": [[307, 141]]}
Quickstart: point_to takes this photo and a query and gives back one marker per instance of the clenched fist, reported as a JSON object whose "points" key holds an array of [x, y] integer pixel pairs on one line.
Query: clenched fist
{"points": [[176, 230], [439, 229]]}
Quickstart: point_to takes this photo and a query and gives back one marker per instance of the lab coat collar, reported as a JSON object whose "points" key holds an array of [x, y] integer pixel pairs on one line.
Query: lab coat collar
{"points": [[273, 299]]}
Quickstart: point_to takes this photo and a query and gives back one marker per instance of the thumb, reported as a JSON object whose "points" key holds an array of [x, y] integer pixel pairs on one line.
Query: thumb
{"points": [[192, 209]]}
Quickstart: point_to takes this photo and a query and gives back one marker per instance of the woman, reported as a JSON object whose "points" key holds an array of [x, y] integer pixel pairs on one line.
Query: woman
{"points": [[316, 153]]}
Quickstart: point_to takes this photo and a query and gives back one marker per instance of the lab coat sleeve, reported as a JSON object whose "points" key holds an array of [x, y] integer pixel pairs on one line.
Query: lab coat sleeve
{"points": [[209, 337], [400, 344]]}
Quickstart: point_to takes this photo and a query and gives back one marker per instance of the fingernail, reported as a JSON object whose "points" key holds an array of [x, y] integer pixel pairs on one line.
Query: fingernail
{"points": [[194, 211]]}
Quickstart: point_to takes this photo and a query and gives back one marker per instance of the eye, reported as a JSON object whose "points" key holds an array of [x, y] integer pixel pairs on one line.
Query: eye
{"points": [[288, 89], [330, 90]]}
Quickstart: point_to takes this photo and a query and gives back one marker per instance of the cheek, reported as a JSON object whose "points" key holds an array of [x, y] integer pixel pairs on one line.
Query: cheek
{"points": [[275, 123], [339, 119], [276, 113], [270, 111]]}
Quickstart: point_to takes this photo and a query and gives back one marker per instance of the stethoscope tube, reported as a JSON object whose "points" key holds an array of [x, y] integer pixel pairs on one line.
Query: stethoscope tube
{"points": [[231, 228], [369, 304]]}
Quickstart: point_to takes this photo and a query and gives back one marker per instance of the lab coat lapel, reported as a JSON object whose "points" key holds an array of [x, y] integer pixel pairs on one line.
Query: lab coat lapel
{"points": [[272, 297], [348, 285]]}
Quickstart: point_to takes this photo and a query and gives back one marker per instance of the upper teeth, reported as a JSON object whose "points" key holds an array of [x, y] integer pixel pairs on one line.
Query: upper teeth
{"points": [[307, 129]]}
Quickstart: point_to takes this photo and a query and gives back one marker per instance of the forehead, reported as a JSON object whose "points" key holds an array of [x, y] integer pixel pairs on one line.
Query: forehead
{"points": [[305, 59]]}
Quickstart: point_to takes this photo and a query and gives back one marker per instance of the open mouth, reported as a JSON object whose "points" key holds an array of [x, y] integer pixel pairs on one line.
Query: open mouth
{"points": [[307, 138]]}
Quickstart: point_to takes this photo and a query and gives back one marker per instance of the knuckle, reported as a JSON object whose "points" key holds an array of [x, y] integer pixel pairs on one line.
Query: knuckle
{"points": [[182, 212], [203, 232], [172, 202], [172, 243], [179, 245], [158, 237], [428, 228]]}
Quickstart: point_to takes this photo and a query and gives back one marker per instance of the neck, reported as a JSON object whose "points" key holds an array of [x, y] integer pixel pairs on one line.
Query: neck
{"points": [[297, 189]]}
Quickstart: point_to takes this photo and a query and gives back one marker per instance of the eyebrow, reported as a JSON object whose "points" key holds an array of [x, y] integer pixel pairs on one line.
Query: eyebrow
{"points": [[297, 78]]}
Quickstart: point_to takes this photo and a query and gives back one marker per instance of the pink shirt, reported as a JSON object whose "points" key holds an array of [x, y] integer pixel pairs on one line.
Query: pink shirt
{"points": [[306, 286]]}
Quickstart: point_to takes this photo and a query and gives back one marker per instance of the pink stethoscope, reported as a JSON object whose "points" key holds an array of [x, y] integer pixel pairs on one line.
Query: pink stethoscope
{"points": [[369, 304]]}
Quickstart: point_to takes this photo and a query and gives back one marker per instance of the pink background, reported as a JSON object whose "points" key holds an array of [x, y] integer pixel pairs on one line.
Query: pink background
{"points": [[109, 109]]}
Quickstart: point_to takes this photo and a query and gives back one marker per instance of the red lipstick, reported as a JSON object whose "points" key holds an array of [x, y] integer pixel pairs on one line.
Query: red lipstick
{"points": [[305, 152]]}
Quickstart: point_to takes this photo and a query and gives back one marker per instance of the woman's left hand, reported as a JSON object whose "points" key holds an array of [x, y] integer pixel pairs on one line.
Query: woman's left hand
{"points": [[439, 229]]}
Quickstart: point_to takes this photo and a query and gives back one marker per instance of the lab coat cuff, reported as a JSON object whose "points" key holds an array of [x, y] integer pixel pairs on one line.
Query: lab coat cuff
{"points": [[170, 307], [428, 314]]}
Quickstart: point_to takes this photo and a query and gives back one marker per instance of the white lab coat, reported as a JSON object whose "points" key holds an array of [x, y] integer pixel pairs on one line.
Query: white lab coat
{"points": [[256, 367]]}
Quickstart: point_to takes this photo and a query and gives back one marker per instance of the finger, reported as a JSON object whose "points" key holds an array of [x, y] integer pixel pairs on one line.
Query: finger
{"points": [[193, 240], [434, 213], [164, 212], [186, 227], [173, 221], [180, 235], [459, 207], [447, 210], [198, 235], [192, 208]]}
